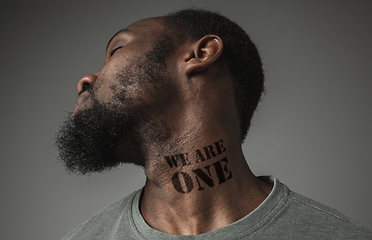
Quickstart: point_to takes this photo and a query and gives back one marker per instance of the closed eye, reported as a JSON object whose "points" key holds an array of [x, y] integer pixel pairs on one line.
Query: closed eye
{"points": [[114, 50]]}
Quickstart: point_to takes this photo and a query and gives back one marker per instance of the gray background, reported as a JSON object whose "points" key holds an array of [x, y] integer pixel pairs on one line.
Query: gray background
{"points": [[313, 129]]}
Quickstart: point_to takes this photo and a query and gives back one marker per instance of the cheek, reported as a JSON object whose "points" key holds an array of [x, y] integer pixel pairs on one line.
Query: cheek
{"points": [[121, 96], [108, 85], [103, 92], [109, 80], [120, 88], [134, 84]]}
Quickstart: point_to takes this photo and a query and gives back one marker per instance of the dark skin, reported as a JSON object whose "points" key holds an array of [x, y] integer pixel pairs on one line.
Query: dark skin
{"points": [[194, 108]]}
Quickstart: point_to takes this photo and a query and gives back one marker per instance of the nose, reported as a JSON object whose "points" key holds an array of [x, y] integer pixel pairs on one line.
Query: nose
{"points": [[85, 82]]}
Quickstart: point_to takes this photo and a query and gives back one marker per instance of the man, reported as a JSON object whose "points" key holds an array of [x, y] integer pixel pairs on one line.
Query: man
{"points": [[176, 96]]}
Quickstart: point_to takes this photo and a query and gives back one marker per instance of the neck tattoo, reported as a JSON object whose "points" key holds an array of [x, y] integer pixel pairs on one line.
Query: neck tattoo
{"points": [[208, 176]]}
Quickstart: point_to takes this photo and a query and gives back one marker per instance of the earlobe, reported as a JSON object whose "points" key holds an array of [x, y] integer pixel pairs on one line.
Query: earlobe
{"points": [[203, 53]]}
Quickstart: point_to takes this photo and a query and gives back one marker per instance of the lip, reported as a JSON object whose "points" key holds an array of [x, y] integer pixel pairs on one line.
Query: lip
{"points": [[83, 97]]}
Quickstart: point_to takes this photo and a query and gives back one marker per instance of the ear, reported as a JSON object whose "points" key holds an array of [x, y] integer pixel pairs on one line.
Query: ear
{"points": [[203, 53]]}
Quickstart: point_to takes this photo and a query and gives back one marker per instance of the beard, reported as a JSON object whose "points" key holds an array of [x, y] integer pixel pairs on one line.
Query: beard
{"points": [[89, 142]]}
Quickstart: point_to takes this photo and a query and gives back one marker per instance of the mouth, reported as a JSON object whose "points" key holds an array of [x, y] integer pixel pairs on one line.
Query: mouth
{"points": [[82, 99]]}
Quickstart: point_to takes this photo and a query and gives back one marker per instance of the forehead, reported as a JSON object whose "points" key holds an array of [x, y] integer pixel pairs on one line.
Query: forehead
{"points": [[149, 28]]}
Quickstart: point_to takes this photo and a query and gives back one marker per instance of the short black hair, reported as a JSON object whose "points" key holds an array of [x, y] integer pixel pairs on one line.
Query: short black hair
{"points": [[244, 60]]}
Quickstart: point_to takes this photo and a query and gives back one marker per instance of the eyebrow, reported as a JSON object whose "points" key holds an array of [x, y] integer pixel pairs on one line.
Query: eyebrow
{"points": [[120, 31]]}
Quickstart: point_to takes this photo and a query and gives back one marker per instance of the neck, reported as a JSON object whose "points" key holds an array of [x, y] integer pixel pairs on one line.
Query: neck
{"points": [[197, 177], [201, 186]]}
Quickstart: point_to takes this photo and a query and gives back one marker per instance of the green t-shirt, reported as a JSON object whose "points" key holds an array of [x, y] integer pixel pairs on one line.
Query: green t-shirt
{"points": [[283, 215]]}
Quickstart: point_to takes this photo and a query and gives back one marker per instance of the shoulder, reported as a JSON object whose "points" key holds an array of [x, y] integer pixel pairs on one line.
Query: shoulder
{"points": [[293, 216], [103, 222], [311, 216]]}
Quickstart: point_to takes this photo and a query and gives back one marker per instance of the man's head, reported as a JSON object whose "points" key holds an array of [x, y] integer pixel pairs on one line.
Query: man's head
{"points": [[138, 84]]}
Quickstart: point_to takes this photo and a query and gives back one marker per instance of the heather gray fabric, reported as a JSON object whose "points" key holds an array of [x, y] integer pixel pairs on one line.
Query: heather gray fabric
{"points": [[283, 215]]}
